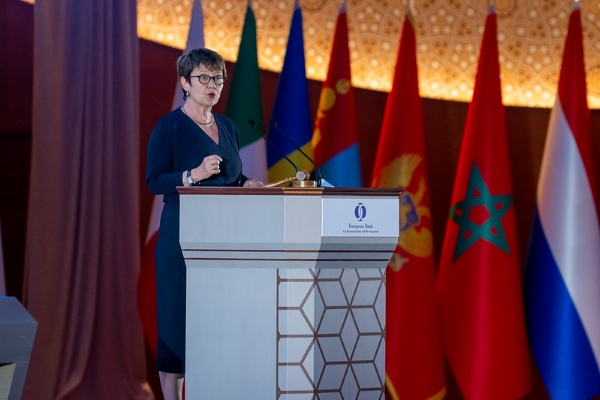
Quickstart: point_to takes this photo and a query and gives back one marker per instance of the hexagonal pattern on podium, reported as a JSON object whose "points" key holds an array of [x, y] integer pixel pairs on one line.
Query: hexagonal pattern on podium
{"points": [[331, 334]]}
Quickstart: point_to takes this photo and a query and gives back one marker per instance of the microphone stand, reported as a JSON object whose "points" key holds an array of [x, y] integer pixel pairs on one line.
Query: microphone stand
{"points": [[300, 180], [282, 183], [318, 176], [301, 177]]}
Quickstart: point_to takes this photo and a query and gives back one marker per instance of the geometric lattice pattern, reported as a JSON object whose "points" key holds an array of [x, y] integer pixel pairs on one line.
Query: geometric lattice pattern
{"points": [[531, 35], [331, 334]]}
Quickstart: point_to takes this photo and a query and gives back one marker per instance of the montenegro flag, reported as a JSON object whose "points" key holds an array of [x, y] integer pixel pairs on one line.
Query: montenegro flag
{"points": [[413, 357]]}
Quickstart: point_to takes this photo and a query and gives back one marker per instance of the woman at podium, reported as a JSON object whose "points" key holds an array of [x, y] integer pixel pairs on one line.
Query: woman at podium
{"points": [[189, 146]]}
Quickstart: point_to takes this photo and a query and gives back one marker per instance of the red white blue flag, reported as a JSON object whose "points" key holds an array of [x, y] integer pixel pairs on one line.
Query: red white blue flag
{"points": [[562, 278]]}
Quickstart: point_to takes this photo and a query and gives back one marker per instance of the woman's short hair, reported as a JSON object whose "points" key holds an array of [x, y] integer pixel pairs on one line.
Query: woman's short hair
{"points": [[186, 63]]}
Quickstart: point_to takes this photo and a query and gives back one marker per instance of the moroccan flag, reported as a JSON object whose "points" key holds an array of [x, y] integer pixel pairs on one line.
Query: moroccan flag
{"points": [[291, 112], [562, 274], [414, 358], [146, 290], [479, 281], [335, 139], [245, 102]]}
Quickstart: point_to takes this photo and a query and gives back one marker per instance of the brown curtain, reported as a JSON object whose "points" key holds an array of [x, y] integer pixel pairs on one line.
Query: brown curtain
{"points": [[82, 249]]}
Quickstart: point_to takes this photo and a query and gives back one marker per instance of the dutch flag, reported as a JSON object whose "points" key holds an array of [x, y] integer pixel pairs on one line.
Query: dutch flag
{"points": [[562, 277]]}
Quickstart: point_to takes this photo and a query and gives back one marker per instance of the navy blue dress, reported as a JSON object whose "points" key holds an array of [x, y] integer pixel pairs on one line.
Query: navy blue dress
{"points": [[177, 144]]}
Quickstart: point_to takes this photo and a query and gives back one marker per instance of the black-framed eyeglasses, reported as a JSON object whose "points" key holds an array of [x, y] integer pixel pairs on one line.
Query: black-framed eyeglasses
{"points": [[204, 79]]}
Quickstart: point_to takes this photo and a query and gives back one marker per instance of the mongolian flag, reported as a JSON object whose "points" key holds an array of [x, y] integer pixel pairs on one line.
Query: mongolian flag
{"points": [[562, 274], [290, 119], [245, 102], [479, 281], [146, 290], [414, 357], [335, 139]]}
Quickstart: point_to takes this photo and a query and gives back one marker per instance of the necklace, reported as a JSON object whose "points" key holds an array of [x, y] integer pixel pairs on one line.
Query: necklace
{"points": [[212, 119]]}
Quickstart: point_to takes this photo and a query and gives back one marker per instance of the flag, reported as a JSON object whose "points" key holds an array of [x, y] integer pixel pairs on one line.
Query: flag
{"points": [[245, 103], [479, 280], [335, 139], [291, 113], [2, 279], [195, 40], [414, 357], [146, 290], [562, 274]]}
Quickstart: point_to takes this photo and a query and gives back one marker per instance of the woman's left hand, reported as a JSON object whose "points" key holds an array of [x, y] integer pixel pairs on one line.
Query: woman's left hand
{"points": [[252, 183]]}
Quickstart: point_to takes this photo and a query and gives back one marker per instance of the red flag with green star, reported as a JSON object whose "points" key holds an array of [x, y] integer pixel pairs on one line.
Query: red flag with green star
{"points": [[479, 281]]}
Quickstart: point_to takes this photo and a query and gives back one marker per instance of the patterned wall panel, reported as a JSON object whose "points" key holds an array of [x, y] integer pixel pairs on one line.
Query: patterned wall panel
{"points": [[531, 36]]}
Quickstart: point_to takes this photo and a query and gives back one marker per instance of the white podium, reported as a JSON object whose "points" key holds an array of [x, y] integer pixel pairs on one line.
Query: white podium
{"points": [[286, 291], [17, 332]]}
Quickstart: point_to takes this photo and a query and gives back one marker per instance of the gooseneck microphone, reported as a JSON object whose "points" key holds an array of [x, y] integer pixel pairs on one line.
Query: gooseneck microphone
{"points": [[255, 126], [318, 176]]}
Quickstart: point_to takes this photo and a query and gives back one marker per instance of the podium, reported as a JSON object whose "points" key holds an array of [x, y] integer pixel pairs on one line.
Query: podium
{"points": [[286, 291], [17, 332]]}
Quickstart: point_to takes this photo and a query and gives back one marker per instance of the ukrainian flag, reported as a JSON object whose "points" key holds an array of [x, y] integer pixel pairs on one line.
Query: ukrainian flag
{"points": [[291, 113]]}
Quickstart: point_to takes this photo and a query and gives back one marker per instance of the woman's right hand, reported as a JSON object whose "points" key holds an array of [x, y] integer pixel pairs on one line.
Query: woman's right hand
{"points": [[210, 166]]}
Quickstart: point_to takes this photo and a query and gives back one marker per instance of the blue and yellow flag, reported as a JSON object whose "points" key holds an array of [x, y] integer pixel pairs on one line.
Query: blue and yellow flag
{"points": [[291, 113]]}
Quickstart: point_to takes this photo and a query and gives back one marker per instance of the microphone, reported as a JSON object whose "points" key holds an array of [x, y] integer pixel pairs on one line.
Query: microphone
{"points": [[301, 175], [318, 175]]}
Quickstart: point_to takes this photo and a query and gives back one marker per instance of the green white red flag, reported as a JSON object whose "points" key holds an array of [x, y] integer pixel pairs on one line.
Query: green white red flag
{"points": [[245, 102]]}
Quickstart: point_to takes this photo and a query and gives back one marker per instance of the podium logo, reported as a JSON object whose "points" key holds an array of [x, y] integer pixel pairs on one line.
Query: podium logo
{"points": [[360, 211]]}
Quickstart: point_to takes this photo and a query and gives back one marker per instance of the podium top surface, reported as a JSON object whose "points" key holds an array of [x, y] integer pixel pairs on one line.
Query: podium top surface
{"points": [[12, 312], [289, 191]]}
